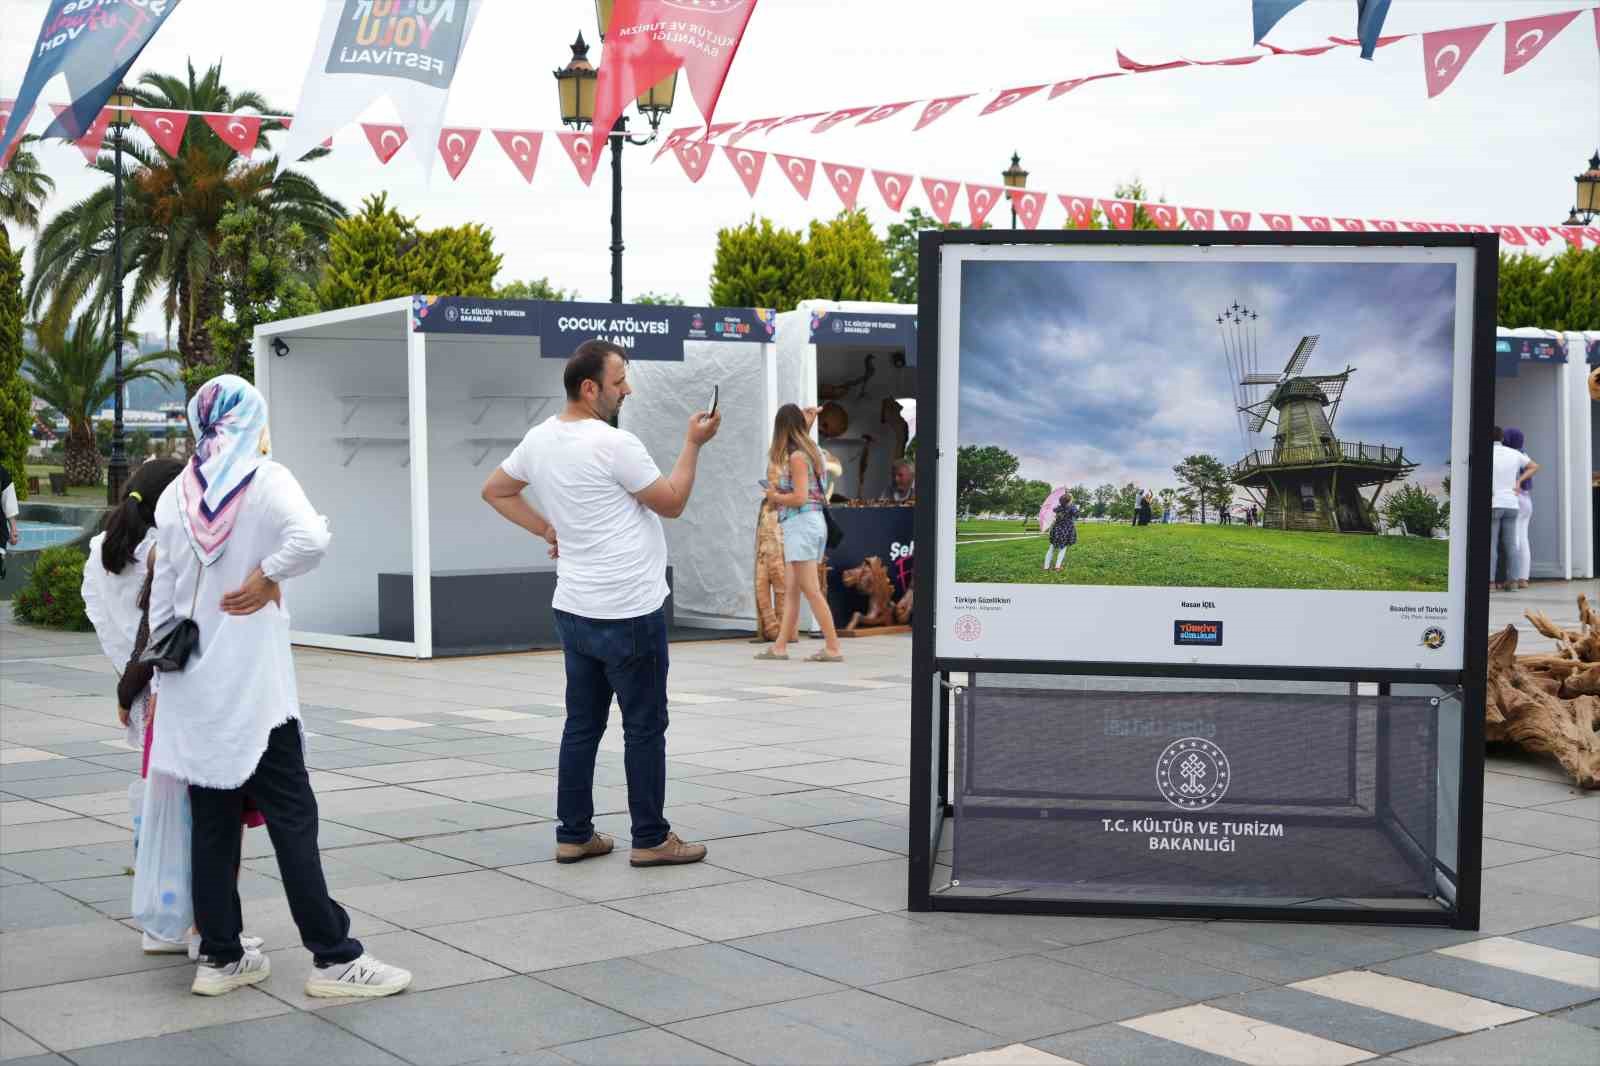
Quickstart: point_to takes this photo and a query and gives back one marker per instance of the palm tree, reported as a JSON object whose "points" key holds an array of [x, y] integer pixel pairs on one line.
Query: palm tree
{"points": [[173, 205], [24, 187], [72, 373]]}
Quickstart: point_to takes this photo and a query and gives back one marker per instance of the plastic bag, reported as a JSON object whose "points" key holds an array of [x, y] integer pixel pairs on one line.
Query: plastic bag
{"points": [[136, 809], [162, 903]]}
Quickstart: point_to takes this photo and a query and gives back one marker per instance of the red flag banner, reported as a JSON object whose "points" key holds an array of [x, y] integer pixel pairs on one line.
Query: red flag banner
{"points": [[1351, 225], [1062, 88], [1445, 53], [580, 149], [1573, 235], [941, 197], [892, 187], [981, 200], [237, 131], [1419, 227], [1526, 38], [1009, 98], [846, 181], [1382, 42], [799, 172], [939, 108], [1281, 223], [1511, 235], [456, 144], [693, 157], [883, 111], [1080, 210], [7, 107], [1200, 217], [791, 120], [844, 115], [717, 129], [1029, 207], [1119, 213], [164, 127], [93, 137], [649, 39], [1537, 233], [1317, 51], [1593, 233], [1148, 68], [1317, 223], [1236, 219], [1385, 225], [385, 140], [749, 164], [522, 148], [754, 126], [1165, 216], [1447, 227], [672, 140], [1236, 61]]}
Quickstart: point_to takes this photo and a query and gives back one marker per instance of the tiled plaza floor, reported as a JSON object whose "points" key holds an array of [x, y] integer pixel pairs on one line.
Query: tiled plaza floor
{"points": [[789, 945]]}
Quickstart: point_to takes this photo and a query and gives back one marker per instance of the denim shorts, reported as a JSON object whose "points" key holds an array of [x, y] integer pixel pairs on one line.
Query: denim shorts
{"points": [[805, 537]]}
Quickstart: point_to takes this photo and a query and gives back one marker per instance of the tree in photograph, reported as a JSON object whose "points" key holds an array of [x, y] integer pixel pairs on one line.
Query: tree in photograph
{"points": [[1561, 293], [379, 254], [1222, 498], [1168, 496], [1124, 503], [845, 260], [1203, 476], [982, 471], [16, 399], [259, 260], [659, 299], [901, 248], [1104, 495], [757, 265], [1027, 496], [534, 289], [24, 187], [1414, 509], [1188, 505]]}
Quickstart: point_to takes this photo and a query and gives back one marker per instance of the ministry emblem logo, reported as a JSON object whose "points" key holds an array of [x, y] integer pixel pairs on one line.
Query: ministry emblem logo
{"points": [[1193, 774]]}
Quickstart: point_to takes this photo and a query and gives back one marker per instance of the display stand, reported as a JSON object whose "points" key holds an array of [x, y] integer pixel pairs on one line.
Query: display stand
{"points": [[1323, 777]]}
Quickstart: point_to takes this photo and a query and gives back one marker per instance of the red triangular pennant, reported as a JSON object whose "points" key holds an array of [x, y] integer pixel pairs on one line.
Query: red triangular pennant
{"points": [[790, 120], [938, 109], [1165, 216], [1061, 88], [1236, 61], [981, 200], [1526, 38], [93, 137], [1317, 51], [1200, 217], [385, 140], [672, 140], [846, 181], [694, 157], [1511, 235], [1029, 207], [1384, 225], [1080, 210], [748, 163], [717, 129], [1352, 225], [1317, 223], [522, 148], [1119, 213], [1538, 233], [941, 197], [1281, 223], [1148, 68], [753, 126], [1573, 235], [581, 151], [165, 128], [1009, 98], [834, 118], [1419, 227], [799, 172], [1236, 220], [883, 111], [892, 187], [456, 144], [237, 131], [1445, 53]]}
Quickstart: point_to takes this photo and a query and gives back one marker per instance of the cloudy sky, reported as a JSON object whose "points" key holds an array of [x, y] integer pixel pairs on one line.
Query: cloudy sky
{"points": [[1113, 372], [1324, 135]]}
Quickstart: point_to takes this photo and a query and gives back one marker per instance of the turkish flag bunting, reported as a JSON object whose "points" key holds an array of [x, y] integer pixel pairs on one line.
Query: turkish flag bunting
{"points": [[755, 125], [1385, 225], [981, 200], [1281, 223], [799, 172], [1537, 233], [1477, 227], [580, 149], [790, 120], [1119, 213], [6, 108], [1526, 38], [1200, 217], [93, 137], [1236, 61], [1165, 216], [1593, 233], [1009, 98], [385, 140], [455, 148], [1419, 227], [846, 181], [1445, 52], [1236, 219], [693, 157], [637, 56], [1080, 210], [672, 140], [717, 129], [748, 163], [1147, 68], [1317, 51], [1029, 207], [1062, 88], [237, 131], [1446, 227], [939, 108], [1317, 223], [892, 187], [164, 127], [883, 111], [1511, 235], [522, 148], [941, 197], [844, 115], [1573, 235], [1382, 42], [1351, 225]]}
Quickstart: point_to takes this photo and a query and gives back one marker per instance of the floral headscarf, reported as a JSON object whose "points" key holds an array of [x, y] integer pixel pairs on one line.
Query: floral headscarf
{"points": [[229, 418]]}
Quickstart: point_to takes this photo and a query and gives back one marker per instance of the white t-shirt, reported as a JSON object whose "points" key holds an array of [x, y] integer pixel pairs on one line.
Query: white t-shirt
{"points": [[613, 560], [1508, 463]]}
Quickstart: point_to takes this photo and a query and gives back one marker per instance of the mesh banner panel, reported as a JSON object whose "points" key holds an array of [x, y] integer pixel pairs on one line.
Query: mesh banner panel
{"points": [[1223, 795]]}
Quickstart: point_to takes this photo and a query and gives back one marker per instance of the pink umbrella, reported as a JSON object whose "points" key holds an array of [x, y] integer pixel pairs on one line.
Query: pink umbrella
{"points": [[1048, 511]]}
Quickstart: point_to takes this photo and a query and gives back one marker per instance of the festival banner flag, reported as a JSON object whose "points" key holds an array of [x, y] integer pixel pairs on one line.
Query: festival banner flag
{"points": [[407, 53], [1369, 25], [1384, 225], [1526, 38], [1062, 88], [981, 200], [755, 125], [522, 148], [799, 172], [1148, 68], [1236, 219], [748, 163], [941, 197], [89, 144], [1351, 225], [846, 181], [1281, 223], [1009, 98], [456, 145], [1200, 217], [843, 115], [165, 128], [1029, 207], [7, 109], [649, 39], [1165, 216], [238, 132], [694, 157], [1445, 53], [385, 140], [1080, 210], [580, 149], [92, 45], [939, 108], [1381, 42], [883, 111], [892, 187], [1537, 233], [1265, 14], [1119, 213], [1317, 223], [1511, 235]]}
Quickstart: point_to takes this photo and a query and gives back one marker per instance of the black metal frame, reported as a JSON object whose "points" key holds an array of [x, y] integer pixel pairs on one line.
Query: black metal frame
{"points": [[930, 732]]}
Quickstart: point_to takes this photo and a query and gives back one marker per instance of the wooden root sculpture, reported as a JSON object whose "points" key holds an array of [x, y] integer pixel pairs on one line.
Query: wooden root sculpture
{"points": [[902, 609], [871, 579], [1550, 703], [769, 573]]}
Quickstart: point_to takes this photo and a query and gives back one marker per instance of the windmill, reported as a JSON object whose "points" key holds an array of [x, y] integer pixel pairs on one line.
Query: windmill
{"points": [[1310, 479]]}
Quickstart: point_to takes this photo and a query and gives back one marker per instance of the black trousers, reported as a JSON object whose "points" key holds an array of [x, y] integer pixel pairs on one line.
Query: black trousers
{"points": [[281, 790]]}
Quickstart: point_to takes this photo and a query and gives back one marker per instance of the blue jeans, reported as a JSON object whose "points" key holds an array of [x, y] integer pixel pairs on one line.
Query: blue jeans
{"points": [[625, 657], [1502, 537]]}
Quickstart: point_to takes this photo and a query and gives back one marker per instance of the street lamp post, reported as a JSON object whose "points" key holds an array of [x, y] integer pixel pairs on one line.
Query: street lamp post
{"points": [[1587, 204], [1015, 178], [117, 471]]}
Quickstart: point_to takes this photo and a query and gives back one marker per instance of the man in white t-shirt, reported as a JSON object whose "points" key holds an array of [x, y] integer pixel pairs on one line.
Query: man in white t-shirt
{"points": [[597, 501], [1512, 469]]}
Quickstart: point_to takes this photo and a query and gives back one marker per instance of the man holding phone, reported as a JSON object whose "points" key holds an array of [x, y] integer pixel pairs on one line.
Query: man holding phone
{"points": [[597, 502]]}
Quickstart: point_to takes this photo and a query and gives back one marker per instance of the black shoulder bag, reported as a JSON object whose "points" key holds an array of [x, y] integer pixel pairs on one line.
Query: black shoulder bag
{"points": [[170, 647]]}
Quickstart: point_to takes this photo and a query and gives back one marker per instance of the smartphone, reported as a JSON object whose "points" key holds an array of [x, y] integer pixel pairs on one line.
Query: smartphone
{"points": [[711, 409]]}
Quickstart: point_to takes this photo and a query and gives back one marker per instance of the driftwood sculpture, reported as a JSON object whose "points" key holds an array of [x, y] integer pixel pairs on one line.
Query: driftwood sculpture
{"points": [[871, 579], [902, 609], [1550, 703], [769, 573], [890, 416]]}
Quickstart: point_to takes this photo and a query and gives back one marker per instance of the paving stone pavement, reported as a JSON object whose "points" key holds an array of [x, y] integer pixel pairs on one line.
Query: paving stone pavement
{"points": [[791, 944]]}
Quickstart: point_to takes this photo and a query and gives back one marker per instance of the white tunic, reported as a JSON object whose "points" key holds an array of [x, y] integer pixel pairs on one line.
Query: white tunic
{"points": [[112, 604], [216, 713]]}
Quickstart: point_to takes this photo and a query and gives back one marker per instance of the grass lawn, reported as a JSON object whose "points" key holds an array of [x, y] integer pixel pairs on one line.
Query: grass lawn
{"points": [[76, 494], [1180, 556], [993, 525]]}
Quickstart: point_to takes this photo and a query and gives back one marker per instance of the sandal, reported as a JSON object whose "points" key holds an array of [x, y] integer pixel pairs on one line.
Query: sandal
{"points": [[824, 657], [769, 657]]}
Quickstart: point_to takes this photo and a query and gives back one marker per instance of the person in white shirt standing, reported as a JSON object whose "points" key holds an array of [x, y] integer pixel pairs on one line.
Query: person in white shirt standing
{"points": [[597, 501], [1512, 469]]}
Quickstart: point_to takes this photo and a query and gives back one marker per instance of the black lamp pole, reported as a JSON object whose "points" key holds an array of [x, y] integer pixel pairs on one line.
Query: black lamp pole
{"points": [[117, 472], [619, 133]]}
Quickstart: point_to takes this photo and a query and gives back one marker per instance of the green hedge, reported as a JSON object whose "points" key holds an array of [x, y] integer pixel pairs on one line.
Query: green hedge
{"points": [[53, 595]]}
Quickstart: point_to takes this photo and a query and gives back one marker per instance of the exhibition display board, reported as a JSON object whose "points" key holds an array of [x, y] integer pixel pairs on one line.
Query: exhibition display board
{"points": [[1207, 685], [393, 414]]}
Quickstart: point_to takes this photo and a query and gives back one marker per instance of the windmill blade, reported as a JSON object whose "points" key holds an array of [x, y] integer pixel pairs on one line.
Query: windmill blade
{"points": [[1260, 420], [1302, 355], [1260, 379]]}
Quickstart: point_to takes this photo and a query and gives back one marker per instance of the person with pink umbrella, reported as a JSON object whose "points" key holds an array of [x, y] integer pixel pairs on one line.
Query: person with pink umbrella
{"points": [[1063, 526]]}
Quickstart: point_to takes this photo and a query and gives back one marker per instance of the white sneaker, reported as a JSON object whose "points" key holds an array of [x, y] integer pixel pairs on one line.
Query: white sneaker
{"points": [[155, 945], [249, 943], [252, 968], [365, 977]]}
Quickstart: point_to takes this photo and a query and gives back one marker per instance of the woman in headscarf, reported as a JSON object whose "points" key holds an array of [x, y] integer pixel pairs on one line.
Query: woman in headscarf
{"points": [[230, 528], [1520, 565]]}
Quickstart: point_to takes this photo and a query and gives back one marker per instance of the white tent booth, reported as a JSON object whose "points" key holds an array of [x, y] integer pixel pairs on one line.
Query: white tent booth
{"points": [[1540, 388], [392, 415]]}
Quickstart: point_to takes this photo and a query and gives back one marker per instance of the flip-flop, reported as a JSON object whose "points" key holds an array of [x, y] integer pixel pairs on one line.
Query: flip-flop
{"points": [[824, 657], [768, 656]]}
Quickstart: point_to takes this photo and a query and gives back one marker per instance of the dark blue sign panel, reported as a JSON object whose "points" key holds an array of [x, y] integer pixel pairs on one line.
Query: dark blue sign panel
{"points": [[644, 331], [475, 315], [1532, 349], [861, 329]]}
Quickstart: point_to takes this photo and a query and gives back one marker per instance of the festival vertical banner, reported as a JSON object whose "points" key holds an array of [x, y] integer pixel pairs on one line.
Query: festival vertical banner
{"points": [[93, 45], [407, 52]]}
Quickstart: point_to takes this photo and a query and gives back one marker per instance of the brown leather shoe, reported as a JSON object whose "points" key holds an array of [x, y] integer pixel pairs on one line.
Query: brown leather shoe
{"points": [[598, 844], [670, 852]]}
